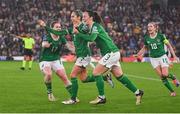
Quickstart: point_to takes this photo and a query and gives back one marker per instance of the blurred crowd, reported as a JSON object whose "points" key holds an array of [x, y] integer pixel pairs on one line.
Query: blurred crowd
{"points": [[125, 21]]}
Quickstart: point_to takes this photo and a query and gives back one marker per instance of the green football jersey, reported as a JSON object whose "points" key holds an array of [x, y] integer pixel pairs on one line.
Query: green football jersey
{"points": [[81, 46], [155, 45], [99, 35], [53, 52]]}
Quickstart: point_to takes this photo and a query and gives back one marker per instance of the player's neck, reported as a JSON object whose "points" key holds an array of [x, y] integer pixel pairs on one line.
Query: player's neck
{"points": [[153, 35], [54, 37], [90, 24], [77, 22]]}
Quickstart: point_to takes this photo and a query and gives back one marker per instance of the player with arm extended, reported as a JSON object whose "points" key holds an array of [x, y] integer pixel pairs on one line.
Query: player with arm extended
{"points": [[154, 42], [28, 50], [110, 59], [50, 60], [83, 57]]}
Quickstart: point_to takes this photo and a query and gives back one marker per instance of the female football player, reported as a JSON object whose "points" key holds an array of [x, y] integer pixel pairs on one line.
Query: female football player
{"points": [[110, 59], [154, 42], [50, 59]]}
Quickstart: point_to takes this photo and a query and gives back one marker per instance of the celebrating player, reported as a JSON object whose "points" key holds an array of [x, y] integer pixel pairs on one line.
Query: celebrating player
{"points": [[50, 59], [154, 42], [110, 59]]}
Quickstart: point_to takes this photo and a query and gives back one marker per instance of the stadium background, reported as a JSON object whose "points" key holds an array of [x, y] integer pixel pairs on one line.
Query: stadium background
{"points": [[125, 21]]}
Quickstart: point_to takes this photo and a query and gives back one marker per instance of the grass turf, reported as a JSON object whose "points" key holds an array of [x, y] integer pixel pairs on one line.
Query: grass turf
{"points": [[24, 91]]}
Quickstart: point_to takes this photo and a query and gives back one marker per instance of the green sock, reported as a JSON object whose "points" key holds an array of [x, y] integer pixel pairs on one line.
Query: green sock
{"points": [[89, 79], [30, 64], [92, 79], [104, 78], [23, 63], [171, 76], [100, 84], [167, 84], [69, 89], [49, 87], [74, 82], [126, 82]]}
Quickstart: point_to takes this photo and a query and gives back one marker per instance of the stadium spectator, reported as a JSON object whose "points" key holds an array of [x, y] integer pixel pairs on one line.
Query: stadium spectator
{"points": [[125, 16]]}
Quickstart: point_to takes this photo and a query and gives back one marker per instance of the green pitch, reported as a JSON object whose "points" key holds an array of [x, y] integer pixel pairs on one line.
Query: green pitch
{"points": [[24, 91]]}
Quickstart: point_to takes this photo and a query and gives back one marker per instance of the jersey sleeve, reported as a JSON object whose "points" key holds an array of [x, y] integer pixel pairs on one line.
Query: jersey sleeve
{"points": [[63, 39], [33, 41], [59, 33], [89, 36]]}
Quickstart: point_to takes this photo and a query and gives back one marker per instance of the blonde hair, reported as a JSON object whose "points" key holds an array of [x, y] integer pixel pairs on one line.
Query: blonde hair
{"points": [[155, 24]]}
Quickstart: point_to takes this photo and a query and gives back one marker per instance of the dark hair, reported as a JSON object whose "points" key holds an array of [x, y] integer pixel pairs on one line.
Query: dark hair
{"points": [[53, 23], [96, 17], [78, 13]]}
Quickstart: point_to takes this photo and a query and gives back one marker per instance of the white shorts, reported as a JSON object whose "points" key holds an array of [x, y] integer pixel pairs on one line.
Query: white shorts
{"points": [[110, 59], [54, 65], [83, 61], [162, 61]]}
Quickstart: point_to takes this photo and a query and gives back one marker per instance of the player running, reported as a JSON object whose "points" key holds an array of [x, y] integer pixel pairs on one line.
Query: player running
{"points": [[50, 59], [154, 42], [110, 59]]}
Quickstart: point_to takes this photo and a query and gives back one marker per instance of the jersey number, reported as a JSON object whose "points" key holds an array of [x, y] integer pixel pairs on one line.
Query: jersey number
{"points": [[164, 60], [153, 46], [54, 49]]}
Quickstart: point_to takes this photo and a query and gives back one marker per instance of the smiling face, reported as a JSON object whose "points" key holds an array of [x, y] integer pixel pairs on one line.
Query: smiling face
{"points": [[57, 26], [75, 17], [151, 28], [86, 18]]}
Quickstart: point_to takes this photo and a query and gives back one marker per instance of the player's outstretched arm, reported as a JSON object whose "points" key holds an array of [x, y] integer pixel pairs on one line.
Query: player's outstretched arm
{"points": [[175, 58], [141, 52]]}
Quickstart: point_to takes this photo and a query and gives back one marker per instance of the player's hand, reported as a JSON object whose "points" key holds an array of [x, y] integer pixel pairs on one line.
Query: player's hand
{"points": [[176, 59], [41, 23], [75, 31], [46, 44]]}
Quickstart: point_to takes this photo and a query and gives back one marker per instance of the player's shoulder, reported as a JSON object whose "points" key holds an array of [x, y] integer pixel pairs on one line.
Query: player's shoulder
{"points": [[146, 36], [161, 35], [95, 27]]}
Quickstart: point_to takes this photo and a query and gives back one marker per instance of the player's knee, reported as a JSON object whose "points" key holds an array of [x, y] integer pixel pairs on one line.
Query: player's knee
{"points": [[164, 74]]}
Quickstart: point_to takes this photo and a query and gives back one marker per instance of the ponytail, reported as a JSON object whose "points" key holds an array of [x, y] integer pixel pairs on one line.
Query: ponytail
{"points": [[96, 17]]}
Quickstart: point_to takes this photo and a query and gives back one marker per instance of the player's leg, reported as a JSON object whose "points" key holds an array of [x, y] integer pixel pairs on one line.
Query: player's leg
{"points": [[121, 77], [46, 69], [97, 73], [160, 65], [58, 67], [86, 78], [74, 89], [30, 59], [165, 73], [24, 61]]}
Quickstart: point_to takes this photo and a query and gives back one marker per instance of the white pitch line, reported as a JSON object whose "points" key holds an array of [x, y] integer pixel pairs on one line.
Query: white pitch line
{"points": [[141, 77]]}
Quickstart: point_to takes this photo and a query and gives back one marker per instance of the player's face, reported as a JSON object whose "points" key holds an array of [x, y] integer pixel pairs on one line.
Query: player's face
{"points": [[151, 28], [86, 18], [57, 26], [74, 17]]}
